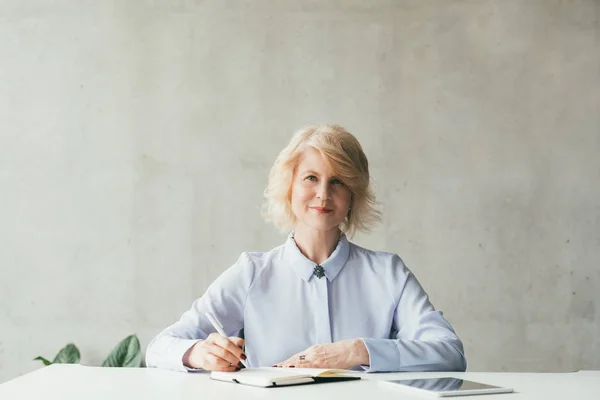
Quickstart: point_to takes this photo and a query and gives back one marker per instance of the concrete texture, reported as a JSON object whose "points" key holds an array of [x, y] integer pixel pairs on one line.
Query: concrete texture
{"points": [[136, 137]]}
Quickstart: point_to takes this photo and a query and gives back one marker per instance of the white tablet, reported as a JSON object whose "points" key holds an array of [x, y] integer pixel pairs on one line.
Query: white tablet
{"points": [[445, 387]]}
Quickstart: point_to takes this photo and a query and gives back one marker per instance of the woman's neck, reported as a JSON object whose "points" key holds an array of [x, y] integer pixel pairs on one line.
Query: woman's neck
{"points": [[316, 245]]}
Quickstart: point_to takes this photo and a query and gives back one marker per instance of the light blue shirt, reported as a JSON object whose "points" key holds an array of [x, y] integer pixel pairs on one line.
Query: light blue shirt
{"points": [[284, 309]]}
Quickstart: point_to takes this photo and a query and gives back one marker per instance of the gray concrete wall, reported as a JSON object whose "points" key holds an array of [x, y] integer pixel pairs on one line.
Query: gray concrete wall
{"points": [[136, 137]]}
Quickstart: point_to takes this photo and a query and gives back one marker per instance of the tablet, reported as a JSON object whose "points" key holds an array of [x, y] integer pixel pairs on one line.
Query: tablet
{"points": [[445, 387]]}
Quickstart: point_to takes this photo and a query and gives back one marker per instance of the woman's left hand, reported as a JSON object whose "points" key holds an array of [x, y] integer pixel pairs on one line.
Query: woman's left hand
{"points": [[343, 355]]}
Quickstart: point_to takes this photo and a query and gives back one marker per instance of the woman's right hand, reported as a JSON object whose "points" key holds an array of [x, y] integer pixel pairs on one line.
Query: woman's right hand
{"points": [[215, 353]]}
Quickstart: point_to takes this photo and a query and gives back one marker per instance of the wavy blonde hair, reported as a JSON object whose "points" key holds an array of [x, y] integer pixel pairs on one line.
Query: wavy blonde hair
{"points": [[344, 155]]}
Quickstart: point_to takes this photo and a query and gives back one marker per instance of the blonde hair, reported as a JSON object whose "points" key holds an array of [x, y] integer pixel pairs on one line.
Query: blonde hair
{"points": [[344, 155]]}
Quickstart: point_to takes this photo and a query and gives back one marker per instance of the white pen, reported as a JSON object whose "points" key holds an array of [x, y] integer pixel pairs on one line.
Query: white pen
{"points": [[215, 322]]}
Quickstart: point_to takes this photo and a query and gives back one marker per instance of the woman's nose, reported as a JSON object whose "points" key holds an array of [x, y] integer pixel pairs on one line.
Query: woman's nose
{"points": [[323, 192]]}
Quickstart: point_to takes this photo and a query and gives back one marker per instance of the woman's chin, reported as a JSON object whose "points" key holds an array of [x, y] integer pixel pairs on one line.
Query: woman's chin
{"points": [[323, 226]]}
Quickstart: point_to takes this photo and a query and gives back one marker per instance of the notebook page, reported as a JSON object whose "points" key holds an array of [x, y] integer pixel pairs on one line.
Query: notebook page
{"points": [[260, 376], [323, 372]]}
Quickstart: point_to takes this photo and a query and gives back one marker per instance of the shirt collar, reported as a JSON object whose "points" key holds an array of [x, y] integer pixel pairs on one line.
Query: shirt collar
{"points": [[304, 267]]}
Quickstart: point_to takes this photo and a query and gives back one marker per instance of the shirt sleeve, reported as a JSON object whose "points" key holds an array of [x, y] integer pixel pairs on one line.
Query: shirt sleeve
{"points": [[424, 341], [225, 298]]}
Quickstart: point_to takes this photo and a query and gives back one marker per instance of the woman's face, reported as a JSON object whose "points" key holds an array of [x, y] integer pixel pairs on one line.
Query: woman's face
{"points": [[319, 200]]}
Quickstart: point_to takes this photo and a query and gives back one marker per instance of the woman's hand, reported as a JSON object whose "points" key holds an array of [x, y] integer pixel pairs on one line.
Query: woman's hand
{"points": [[343, 354], [215, 353]]}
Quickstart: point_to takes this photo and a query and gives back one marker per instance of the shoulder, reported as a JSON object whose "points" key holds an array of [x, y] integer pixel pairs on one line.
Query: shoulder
{"points": [[380, 269], [250, 265], [380, 258], [260, 259], [382, 263]]}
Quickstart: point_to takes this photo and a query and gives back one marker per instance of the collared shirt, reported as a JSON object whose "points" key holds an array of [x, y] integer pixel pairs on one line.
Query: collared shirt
{"points": [[284, 308]]}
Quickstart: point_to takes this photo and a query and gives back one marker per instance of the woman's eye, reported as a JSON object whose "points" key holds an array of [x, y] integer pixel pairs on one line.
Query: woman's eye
{"points": [[311, 178], [336, 181]]}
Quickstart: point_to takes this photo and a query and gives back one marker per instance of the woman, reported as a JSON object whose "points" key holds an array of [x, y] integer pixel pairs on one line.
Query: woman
{"points": [[318, 301]]}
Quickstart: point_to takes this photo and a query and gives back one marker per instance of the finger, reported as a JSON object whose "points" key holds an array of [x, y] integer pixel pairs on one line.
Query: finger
{"points": [[288, 363], [239, 342], [213, 337], [224, 355], [218, 363], [226, 368], [306, 364], [228, 345], [285, 363], [233, 368]]}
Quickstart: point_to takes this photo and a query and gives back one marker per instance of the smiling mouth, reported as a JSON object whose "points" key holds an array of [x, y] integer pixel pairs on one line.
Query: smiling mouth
{"points": [[322, 210]]}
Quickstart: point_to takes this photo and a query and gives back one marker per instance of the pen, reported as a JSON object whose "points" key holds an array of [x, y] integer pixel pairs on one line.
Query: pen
{"points": [[215, 322]]}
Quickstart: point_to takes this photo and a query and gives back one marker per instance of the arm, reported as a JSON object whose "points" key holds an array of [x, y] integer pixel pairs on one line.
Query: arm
{"points": [[425, 340], [225, 297]]}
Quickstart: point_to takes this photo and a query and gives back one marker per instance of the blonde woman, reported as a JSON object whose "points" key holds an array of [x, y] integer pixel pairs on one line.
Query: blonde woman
{"points": [[318, 300]]}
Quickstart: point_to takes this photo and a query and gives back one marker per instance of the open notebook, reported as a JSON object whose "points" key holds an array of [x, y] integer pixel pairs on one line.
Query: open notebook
{"points": [[273, 377]]}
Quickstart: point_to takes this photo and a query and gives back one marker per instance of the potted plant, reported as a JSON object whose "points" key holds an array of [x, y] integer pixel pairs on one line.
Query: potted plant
{"points": [[126, 354]]}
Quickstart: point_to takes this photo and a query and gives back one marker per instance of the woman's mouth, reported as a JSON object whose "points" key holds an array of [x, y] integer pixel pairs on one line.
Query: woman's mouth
{"points": [[322, 210]]}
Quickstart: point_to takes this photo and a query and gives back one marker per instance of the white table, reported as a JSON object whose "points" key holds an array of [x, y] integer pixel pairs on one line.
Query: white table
{"points": [[65, 381]]}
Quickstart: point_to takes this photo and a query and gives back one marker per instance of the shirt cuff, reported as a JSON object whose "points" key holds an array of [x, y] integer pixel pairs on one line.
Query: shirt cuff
{"points": [[179, 349], [383, 355]]}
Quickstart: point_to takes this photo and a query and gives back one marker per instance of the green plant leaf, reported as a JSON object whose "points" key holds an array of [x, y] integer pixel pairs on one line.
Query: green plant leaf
{"points": [[42, 359], [68, 355], [126, 354]]}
